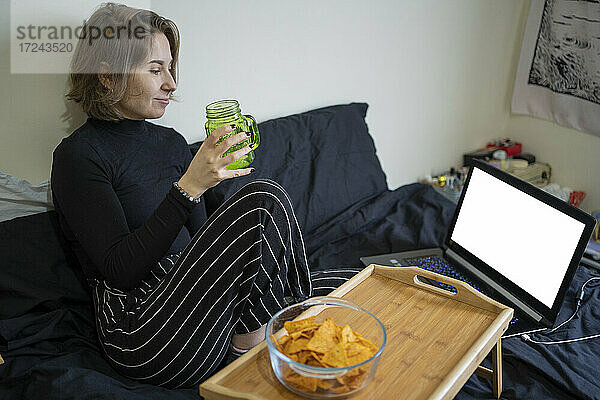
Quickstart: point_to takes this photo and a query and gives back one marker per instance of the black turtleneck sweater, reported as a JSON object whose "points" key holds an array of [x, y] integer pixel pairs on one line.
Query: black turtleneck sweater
{"points": [[112, 187]]}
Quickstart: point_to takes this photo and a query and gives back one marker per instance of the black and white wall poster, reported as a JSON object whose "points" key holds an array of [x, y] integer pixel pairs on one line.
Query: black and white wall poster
{"points": [[558, 77]]}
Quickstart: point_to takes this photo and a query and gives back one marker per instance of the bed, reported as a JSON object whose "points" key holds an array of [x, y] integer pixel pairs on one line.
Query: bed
{"points": [[327, 161]]}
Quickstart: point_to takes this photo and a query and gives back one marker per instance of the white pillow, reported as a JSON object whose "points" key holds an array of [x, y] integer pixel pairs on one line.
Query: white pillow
{"points": [[19, 198]]}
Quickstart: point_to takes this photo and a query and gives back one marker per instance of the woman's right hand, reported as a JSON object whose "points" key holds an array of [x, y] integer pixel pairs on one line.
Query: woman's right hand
{"points": [[207, 168]]}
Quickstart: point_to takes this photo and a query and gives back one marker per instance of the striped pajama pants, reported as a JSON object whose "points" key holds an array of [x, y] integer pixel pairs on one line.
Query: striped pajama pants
{"points": [[246, 263]]}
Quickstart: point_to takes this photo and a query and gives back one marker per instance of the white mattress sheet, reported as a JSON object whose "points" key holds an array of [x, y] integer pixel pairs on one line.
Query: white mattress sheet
{"points": [[19, 198]]}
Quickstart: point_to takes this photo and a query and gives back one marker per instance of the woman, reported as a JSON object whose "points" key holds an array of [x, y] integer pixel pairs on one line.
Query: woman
{"points": [[175, 294]]}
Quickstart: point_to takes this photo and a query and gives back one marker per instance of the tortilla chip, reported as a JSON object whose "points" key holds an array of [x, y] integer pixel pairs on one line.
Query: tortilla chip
{"points": [[303, 383], [282, 340], [368, 344], [336, 357], [295, 335], [354, 348], [314, 362], [308, 333], [298, 325], [355, 378], [279, 347], [346, 335], [323, 339], [297, 345], [357, 353], [340, 389], [304, 357], [325, 384]]}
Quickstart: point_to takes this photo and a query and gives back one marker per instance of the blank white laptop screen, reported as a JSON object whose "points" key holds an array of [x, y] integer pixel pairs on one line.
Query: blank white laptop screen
{"points": [[524, 239]]}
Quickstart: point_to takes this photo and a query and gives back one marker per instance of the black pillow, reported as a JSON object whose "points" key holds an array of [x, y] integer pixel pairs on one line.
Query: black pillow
{"points": [[324, 158], [38, 272]]}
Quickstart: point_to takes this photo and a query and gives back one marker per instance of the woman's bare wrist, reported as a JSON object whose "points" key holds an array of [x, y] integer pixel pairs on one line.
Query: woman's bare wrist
{"points": [[189, 187]]}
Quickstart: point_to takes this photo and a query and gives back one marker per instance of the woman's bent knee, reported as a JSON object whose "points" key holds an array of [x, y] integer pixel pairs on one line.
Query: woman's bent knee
{"points": [[264, 186]]}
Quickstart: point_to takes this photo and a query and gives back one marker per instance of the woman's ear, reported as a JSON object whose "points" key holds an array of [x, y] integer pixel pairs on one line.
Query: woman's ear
{"points": [[104, 75]]}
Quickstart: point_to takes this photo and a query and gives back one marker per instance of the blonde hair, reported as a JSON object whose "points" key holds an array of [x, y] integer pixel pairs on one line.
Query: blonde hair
{"points": [[103, 41]]}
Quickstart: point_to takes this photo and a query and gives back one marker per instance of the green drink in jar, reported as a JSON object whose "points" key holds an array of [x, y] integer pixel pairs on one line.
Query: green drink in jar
{"points": [[228, 112]]}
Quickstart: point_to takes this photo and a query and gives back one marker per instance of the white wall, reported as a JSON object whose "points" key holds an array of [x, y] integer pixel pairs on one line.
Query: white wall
{"points": [[435, 73], [438, 76]]}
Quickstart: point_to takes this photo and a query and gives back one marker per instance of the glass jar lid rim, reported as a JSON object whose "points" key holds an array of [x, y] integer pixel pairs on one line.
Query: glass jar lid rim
{"points": [[222, 104]]}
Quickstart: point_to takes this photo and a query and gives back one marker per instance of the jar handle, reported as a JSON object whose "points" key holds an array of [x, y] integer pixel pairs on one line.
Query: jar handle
{"points": [[253, 127]]}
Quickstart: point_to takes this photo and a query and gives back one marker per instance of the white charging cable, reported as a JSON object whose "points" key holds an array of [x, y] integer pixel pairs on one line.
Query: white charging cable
{"points": [[526, 337]]}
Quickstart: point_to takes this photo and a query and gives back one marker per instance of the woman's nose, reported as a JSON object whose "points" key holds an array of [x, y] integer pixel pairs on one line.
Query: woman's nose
{"points": [[169, 83]]}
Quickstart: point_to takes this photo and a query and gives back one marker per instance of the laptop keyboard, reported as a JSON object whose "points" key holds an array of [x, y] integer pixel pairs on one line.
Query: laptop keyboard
{"points": [[438, 265]]}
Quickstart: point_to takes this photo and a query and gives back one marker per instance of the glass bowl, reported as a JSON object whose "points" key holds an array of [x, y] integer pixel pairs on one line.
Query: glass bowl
{"points": [[321, 382]]}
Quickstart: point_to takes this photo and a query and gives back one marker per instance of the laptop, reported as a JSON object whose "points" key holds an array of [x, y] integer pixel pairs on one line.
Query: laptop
{"points": [[511, 241]]}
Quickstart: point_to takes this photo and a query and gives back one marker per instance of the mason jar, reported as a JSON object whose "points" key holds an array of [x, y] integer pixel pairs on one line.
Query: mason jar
{"points": [[228, 112]]}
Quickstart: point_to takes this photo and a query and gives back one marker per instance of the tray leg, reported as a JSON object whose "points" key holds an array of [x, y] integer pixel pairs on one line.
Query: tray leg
{"points": [[497, 368], [494, 374]]}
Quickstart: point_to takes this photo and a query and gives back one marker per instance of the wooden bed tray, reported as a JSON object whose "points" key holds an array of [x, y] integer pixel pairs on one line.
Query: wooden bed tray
{"points": [[436, 340]]}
